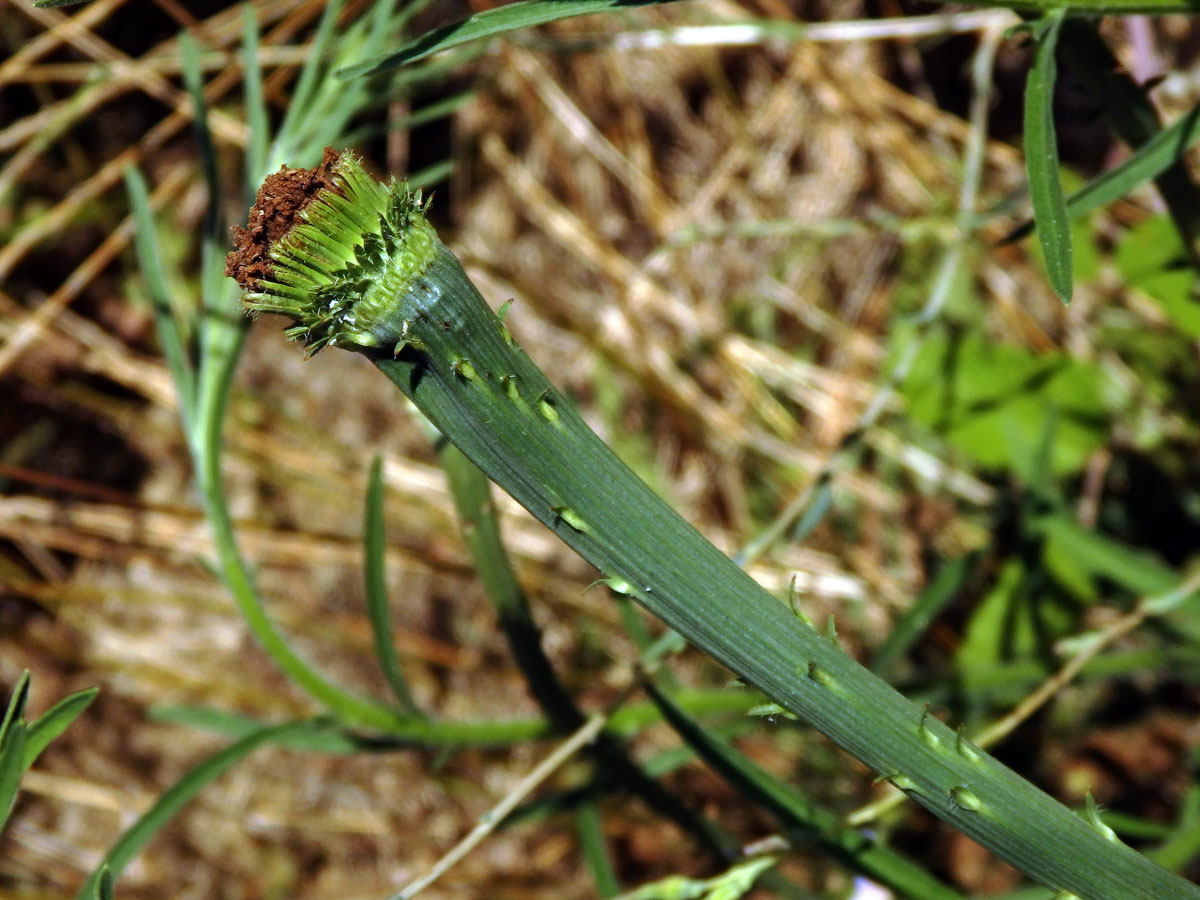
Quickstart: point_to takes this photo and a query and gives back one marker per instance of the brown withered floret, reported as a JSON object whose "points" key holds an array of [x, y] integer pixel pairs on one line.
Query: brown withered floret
{"points": [[280, 200]]}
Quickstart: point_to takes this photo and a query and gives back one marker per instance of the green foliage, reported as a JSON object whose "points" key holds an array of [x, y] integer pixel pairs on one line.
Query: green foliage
{"points": [[1152, 259], [21, 742], [1041, 157], [1017, 620], [175, 798], [13, 736], [374, 548], [999, 404], [621, 527], [54, 722], [1145, 164], [1091, 557], [490, 23]]}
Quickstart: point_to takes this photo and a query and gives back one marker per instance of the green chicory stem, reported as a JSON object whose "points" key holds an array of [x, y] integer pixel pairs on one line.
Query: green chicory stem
{"points": [[362, 268]]}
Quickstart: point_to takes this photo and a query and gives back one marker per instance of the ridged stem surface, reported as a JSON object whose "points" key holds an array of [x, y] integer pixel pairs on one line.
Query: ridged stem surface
{"points": [[459, 365]]}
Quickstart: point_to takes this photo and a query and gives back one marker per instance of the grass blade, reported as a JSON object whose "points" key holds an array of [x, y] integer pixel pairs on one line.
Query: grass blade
{"points": [[256, 105], [422, 116], [322, 737], [55, 721], [308, 82], [16, 706], [332, 737], [150, 261], [12, 758], [1041, 158], [471, 492], [374, 546], [193, 80], [1101, 556], [434, 173], [595, 851], [223, 330], [492, 23], [104, 885], [178, 796], [1149, 161]]}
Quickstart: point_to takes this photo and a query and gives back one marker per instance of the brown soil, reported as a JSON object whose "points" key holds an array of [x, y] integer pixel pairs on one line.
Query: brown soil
{"points": [[280, 199]]}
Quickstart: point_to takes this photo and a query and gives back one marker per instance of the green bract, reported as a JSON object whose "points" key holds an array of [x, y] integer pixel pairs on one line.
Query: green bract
{"points": [[338, 271]]}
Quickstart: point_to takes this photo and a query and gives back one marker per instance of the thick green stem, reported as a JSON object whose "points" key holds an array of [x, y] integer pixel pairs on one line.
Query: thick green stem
{"points": [[364, 268], [481, 530], [459, 365]]}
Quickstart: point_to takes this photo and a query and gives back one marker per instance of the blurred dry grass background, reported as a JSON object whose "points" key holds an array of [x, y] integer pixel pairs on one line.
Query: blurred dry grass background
{"points": [[597, 188]]}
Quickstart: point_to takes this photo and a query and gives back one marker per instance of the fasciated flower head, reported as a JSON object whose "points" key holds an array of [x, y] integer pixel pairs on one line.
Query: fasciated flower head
{"points": [[332, 249]]}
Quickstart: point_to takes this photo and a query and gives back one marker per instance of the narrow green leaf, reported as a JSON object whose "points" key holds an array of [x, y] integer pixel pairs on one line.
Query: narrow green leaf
{"points": [[493, 22], [309, 79], [374, 548], [1149, 161], [472, 493], [16, 706], [331, 737], [434, 111], [595, 849], [221, 331], [55, 721], [256, 104], [422, 116], [1027, 893], [320, 737], [104, 885], [12, 759], [178, 796], [150, 262], [1181, 849], [1137, 828], [193, 80], [13, 737], [821, 503], [432, 174], [1101, 556], [1041, 158], [55, 4]]}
